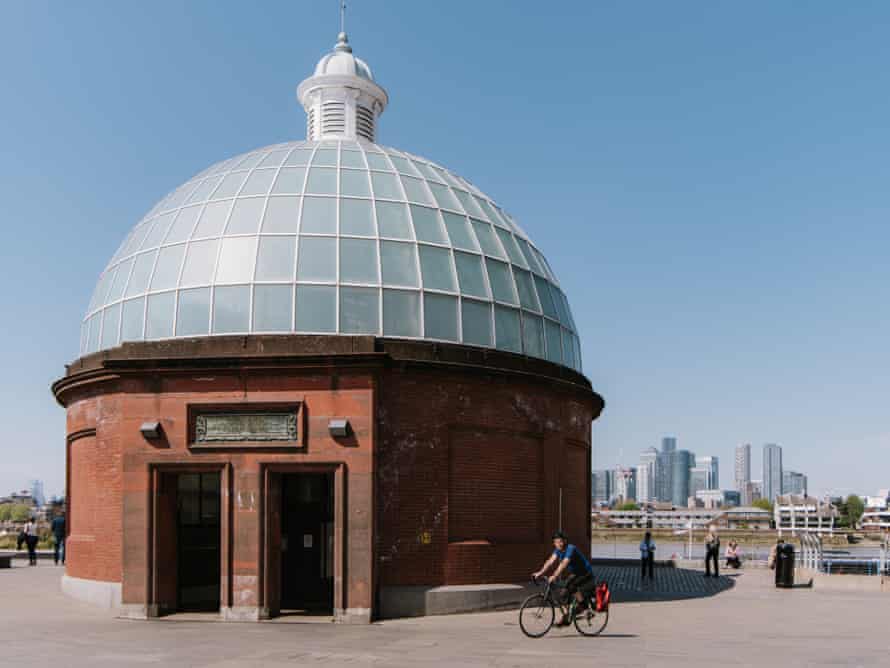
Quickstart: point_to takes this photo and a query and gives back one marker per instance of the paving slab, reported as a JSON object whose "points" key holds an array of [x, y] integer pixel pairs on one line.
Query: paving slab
{"points": [[748, 624]]}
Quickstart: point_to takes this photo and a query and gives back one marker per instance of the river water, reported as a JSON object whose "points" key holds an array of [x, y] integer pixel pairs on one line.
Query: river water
{"points": [[680, 550]]}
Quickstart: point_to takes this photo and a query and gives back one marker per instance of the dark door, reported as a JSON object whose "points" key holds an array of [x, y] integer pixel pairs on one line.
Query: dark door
{"points": [[197, 542], [307, 535]]}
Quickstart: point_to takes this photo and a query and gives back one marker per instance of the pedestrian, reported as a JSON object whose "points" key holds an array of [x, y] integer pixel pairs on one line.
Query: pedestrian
{"points": [[733, 557], [58, 529], [712, 551], [31, 541], [647, 556], [773, 554]]}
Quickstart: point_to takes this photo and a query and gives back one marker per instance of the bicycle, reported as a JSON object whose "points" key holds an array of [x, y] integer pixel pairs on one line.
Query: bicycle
{"points": [[538, 612]]}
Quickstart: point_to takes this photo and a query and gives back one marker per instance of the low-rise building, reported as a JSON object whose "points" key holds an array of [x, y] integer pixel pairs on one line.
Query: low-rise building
{"points": [[681, 518], [23, 497], [793, 513], [745, 517], [718, 498], [877, 512]]}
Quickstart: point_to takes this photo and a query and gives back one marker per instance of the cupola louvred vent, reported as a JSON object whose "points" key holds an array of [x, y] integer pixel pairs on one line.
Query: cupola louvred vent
{"points": [[341, 98]]}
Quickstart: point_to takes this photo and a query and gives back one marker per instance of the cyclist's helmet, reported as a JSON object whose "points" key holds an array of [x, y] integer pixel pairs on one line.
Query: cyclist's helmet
{"points": [[559, 534]]}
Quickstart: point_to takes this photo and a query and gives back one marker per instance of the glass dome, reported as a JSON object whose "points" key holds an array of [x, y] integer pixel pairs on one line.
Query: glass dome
{"points": [[332, 237]]}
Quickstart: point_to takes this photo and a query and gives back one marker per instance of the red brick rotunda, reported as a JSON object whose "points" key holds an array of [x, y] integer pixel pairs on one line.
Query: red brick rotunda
{"points": [[323, 376]]}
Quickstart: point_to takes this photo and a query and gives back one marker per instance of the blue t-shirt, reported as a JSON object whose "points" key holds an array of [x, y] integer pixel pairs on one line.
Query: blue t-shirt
{"points": [[578, 564]]}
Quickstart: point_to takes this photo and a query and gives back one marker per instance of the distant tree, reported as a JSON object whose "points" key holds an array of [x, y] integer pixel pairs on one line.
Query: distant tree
{"points": [[5, 512], [763, 504], [630, 505], [20, 513], [854, 507]]}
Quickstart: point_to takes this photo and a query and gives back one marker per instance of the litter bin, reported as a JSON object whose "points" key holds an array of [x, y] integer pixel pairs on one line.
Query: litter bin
{"points": [[785, 565]]}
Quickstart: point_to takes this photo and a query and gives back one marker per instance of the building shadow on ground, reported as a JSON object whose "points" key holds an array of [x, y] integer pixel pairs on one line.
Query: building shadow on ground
{"points": [[669, 583]]}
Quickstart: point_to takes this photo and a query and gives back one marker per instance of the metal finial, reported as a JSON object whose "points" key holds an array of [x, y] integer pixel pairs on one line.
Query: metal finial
{"points": [[342, 39]]}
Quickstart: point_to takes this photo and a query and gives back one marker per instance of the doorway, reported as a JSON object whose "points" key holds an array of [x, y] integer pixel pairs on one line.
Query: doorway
{"points": [[198, 542], [307, 543]]}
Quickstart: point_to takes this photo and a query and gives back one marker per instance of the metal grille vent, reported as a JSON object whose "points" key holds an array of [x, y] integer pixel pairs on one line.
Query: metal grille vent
{"points": [[364, 122], [333, 118]]}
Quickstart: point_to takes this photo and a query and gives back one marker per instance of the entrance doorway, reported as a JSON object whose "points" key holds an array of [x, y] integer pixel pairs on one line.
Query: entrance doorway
{"points": [[198, 542], [307, 542]]}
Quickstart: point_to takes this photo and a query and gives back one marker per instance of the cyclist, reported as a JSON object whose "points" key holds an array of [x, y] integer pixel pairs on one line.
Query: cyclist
{"points": [[580, 572]]}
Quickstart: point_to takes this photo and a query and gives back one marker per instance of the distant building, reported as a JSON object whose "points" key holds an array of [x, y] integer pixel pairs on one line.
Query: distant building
{"points": [[625, 484], [718, 498], [705, 475], [880, 501], [772, 471], [665, 469], [601, 486], [875, 520], [743, 471], [754, 490], [681, 518], [876, 516], [745, 517], [647, 476], [37, 492], [23, 497], [698, 480], [793, 513], [682, 462], [711, 464], [794, 483]]}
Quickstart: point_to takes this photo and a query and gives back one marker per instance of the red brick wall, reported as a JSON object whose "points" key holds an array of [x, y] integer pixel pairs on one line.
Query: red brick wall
{"points": [[452, 474], [110, 473], [575, 495], [498, 443], [486, 468], [93, 546]]}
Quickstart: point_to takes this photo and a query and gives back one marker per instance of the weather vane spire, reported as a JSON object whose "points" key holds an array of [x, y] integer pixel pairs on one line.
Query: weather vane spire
{"points": [[342, 39]]}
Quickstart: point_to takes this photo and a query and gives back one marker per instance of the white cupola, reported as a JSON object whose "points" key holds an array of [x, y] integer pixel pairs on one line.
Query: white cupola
{"points": [[341, 98]]}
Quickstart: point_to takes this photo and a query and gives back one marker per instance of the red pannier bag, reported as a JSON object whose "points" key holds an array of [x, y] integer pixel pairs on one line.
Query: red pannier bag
{"points": [[603, 597]]}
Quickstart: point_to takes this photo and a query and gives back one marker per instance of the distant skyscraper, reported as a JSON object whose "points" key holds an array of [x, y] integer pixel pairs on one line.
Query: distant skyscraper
{"points": [[794, 483], [712, 465], [625, 484], [601, 487], [698, 480], [647, 478], [682, 462], [743, 471], [772, 471], [37, 492], [665, 469]]}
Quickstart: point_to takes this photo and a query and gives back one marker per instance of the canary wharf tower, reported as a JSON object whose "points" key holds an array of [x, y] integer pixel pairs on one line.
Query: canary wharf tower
{"points": [[326, 377]]}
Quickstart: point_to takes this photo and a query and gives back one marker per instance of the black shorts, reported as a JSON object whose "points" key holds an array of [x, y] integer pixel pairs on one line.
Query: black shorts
{"points": [[584, 583]]}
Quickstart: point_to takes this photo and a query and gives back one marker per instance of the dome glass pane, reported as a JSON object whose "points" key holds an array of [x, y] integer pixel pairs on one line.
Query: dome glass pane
{"points": [[240, 249]]}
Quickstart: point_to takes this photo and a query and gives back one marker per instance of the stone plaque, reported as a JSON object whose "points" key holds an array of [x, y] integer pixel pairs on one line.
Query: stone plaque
{"points": [[235, 427]]}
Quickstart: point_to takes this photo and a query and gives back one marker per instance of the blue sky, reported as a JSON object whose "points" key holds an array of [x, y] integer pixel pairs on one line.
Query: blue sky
{"points": [[708, 179]]}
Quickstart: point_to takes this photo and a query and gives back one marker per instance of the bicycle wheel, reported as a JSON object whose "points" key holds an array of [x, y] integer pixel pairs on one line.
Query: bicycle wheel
{"points": [[589, 622], [536, 616]]}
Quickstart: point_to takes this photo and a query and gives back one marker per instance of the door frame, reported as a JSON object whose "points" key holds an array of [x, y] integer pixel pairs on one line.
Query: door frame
{"points": [[153, 588], [269, 561]]}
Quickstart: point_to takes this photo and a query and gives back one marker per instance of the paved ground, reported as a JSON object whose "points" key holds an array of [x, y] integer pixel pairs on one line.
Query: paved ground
{"points": [[749, 624]]}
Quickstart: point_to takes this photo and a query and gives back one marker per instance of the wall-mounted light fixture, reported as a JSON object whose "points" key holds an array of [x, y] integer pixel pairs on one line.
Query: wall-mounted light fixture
{"points": [[151, 430], [339, 427]]}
